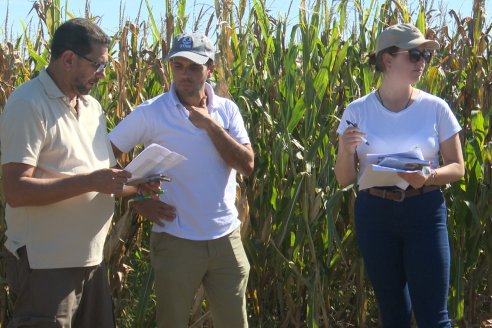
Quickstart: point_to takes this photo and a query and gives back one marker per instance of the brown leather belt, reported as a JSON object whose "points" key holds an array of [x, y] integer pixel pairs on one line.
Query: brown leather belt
{"points": [[398, 195]]}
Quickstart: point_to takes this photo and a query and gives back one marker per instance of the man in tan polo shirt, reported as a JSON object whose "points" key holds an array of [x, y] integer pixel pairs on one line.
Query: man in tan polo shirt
{"points": [[59, 185]]}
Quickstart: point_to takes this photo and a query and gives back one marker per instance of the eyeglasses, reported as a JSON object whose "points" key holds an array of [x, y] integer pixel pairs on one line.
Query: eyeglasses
{"points": [[415, 55], [99, 66]]}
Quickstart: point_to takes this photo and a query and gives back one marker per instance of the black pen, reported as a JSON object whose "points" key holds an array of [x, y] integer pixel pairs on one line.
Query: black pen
{"points": [[355, 126]]}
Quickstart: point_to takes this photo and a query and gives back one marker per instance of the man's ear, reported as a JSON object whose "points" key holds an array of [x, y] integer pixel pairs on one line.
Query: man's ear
{"points": [[67, 59], [210, 68]]}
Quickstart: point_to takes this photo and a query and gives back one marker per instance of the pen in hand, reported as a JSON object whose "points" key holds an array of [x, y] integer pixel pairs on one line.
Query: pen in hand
{"points": [[355, 126], [140, 197]]}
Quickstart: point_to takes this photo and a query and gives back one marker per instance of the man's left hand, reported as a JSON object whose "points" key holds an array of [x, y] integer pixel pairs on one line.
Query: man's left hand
{"points": [[155, 210]]}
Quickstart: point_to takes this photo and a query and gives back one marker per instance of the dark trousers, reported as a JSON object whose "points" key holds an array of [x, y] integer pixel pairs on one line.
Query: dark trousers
{"points": [[59, 298], [406, 252]]}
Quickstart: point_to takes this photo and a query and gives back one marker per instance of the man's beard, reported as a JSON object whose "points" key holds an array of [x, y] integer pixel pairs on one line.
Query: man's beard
{"points": [[82, 88]]}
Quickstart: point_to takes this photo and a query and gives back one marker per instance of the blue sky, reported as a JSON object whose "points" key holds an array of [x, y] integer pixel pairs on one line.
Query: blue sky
{"points": [[109, 10]]}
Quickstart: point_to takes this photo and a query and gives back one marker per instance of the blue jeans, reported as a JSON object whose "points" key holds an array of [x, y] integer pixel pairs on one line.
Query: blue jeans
{"points": [[406, 253]]}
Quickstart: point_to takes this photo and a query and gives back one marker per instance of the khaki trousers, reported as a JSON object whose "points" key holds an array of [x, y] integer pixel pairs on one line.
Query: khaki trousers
{"points": [[181, 265]]}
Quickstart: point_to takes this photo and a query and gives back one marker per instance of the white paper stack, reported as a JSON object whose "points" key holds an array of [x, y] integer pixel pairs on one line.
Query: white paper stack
{"points": [[154, 159], [383, 168]]}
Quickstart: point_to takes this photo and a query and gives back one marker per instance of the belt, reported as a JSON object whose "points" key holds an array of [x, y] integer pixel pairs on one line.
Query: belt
{"points": [[399, 195]]}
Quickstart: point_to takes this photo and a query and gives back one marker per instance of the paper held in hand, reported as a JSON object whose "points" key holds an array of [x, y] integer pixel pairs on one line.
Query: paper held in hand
{"points": [[154, 160], [382, 169]]}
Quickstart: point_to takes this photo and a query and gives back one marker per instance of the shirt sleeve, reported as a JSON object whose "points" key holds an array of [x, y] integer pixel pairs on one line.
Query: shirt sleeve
{"points": [[348, 115], [22, 132], [130, 131], [448, 124], [236, 127]]}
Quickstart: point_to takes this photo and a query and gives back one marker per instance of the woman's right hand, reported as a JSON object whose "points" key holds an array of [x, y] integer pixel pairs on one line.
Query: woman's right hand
{"points": [[350, 139], [345, 166]]}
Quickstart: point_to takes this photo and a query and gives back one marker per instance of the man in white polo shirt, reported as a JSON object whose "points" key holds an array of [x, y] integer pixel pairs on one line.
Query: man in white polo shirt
{"points": [[58, 181], [195, 237]]}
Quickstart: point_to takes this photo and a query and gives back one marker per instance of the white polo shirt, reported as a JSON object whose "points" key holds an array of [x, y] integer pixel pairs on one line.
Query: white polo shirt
{"points": [[39, 127], [203, 188]]}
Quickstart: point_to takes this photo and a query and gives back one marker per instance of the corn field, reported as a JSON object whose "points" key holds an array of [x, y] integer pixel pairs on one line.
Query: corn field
{"points": [[292, 81]]}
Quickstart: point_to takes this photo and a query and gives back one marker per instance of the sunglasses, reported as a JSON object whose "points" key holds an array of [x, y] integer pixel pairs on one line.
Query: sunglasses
{"points": [[99, 66], [415, 55]]}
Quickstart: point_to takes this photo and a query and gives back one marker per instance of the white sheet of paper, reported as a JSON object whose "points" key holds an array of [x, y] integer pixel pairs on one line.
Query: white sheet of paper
{"points": [[379, 176], [154, 159]]}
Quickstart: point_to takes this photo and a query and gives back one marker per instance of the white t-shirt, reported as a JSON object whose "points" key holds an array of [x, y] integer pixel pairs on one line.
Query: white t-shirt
{"points": [[203, 188], [426, 123], [39, 127]]}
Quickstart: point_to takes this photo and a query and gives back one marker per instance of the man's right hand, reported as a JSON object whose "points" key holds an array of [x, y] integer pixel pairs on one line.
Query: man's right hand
{"points": [[110, 181], [23, 188]]}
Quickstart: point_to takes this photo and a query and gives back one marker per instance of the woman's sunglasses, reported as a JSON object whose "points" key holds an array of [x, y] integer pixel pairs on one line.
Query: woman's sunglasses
{"points": [[415, 55]]}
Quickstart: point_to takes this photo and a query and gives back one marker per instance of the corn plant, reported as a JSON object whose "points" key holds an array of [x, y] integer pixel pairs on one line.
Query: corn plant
{"points": [[292, 83]]}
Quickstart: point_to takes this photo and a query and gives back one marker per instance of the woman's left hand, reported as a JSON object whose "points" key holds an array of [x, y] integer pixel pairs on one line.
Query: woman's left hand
{"points": [[415, 179]]}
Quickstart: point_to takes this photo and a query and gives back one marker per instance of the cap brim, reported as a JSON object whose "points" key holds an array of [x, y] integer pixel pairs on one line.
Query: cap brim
{"points": [[199, 59], [428, 44]]}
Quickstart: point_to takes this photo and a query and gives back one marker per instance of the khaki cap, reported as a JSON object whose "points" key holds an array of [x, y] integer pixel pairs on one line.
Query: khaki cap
{"points": [[404, 36]]}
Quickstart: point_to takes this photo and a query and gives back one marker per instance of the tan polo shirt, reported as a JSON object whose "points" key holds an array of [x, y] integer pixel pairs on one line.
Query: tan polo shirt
{"points": [[39, 127]]}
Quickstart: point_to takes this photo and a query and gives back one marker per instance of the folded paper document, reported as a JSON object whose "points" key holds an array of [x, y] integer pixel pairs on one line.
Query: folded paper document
{"points": [[153, 160], [382, 169], [403, 163]]}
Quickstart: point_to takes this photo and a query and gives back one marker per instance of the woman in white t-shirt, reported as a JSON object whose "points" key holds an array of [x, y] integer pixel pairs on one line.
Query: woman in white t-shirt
{"points": [[402, 233]]}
